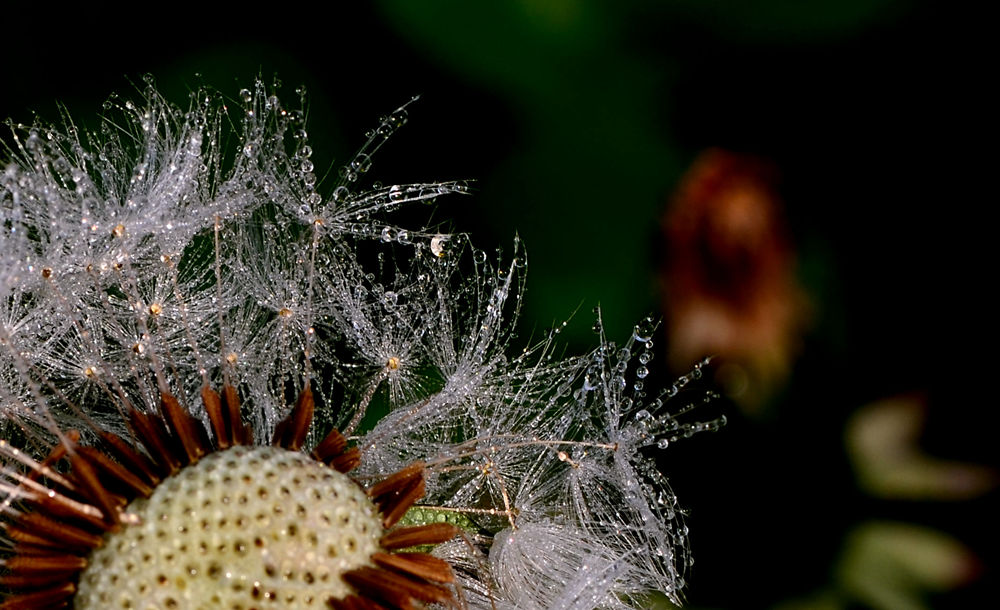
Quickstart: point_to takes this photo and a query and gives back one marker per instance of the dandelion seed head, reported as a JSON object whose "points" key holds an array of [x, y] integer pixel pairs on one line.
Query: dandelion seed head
{"points": [[192, 330]]}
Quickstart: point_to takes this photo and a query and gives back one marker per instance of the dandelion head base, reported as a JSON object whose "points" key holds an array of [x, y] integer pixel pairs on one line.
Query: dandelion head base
{"points": [[242, 527], [226, 524]]}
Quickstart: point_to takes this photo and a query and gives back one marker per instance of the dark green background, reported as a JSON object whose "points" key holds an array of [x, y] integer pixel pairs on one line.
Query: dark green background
{"points": [[576, 119]]}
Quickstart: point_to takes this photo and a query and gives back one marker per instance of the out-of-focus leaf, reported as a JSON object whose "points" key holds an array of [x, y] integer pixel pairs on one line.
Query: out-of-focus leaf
{"points": [[892, 566], [882, 444]]}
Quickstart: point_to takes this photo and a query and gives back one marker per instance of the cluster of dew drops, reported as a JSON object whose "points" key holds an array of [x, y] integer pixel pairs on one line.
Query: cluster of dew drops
{"points": [[653, 420], [611, 366], [373, 197]]}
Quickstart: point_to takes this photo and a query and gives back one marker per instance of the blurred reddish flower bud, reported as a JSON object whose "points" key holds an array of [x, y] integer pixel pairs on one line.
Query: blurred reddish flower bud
{"points": [[728, 276]]}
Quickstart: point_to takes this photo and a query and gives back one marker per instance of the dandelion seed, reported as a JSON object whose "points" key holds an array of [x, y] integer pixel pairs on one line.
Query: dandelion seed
{"points": [[189, 342]]}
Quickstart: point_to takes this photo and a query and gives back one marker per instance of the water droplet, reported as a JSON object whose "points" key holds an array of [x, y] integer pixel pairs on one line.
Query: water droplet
{"points": [[348, 174], [438, 245], [388, 234], [398, 118], [361, 163], [389, 299], [340, 194], [644, 330], [641, 372]]}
